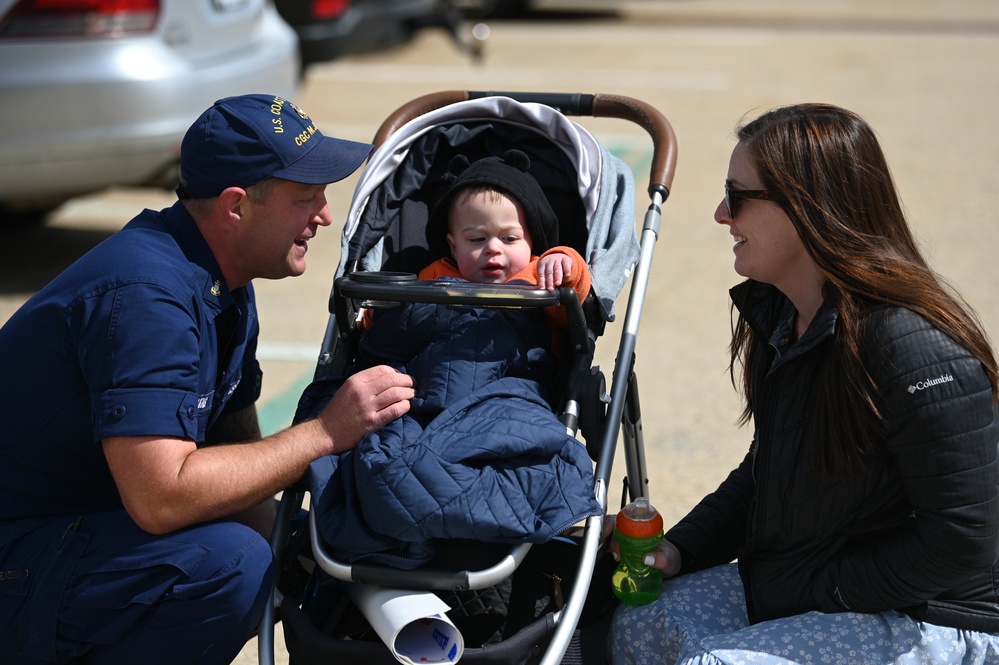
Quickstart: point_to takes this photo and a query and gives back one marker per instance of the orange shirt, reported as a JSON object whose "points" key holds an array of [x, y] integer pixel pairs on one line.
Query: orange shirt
{"points": [[579, 280]]}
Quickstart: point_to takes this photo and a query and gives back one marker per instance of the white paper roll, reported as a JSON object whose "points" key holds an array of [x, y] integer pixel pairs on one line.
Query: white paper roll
{"points": [[411, 623]]}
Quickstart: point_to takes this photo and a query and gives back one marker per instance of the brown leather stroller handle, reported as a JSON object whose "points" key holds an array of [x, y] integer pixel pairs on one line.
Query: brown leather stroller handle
{"points": [[664, 152]]}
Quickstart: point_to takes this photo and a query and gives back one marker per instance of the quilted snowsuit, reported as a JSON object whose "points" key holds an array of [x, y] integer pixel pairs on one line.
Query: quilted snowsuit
{"points": [[479, 456]]}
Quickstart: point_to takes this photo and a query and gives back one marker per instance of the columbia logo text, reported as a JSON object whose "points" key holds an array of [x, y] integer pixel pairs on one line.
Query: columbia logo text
{"points": [[928, 383]]}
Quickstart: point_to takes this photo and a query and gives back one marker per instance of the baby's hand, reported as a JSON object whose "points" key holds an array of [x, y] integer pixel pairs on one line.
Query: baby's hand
{"points": [[552, 269]]}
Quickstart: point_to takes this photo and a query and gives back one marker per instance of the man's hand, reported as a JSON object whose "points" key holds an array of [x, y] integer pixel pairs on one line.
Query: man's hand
{"points": [[367, 402], [552, 269]]}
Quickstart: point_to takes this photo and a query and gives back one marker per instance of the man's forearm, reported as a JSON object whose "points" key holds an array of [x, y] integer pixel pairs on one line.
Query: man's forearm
{"points": [[238, 427]]}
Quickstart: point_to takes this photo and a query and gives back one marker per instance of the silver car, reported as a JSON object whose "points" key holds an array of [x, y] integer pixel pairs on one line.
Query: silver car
{"points": [[97, 93]]}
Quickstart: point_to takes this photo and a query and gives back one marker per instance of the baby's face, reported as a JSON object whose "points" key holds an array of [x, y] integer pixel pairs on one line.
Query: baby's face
{"points": [[488, 238]]}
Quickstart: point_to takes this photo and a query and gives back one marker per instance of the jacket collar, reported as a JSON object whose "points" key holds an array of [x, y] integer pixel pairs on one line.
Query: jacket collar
{"points": [[183, 227], [766, 310]]}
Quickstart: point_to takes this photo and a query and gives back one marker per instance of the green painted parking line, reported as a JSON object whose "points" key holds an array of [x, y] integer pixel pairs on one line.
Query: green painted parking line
{"points": [[277, 413], [639, 159]]}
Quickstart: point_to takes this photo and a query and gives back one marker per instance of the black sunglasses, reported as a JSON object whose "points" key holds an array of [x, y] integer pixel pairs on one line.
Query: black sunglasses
{"points": [[732, 197]]}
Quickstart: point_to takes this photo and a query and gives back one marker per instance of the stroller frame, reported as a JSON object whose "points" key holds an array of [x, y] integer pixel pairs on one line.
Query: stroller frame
{"points": [[623, 413]]}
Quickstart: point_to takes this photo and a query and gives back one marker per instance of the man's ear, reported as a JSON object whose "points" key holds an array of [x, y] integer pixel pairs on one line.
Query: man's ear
{"points": [[231, 202]]}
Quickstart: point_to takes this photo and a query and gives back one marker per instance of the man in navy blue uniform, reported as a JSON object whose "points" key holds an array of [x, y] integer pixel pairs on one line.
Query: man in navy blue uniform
{"points": [[120, 378]]}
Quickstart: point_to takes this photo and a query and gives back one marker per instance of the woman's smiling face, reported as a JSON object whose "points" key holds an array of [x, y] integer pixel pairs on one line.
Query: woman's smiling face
{"points": [[767, 246]]}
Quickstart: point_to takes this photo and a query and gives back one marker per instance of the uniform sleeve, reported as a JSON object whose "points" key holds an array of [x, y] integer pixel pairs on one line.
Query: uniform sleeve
{"points": [[138, 346], [941, 438]]}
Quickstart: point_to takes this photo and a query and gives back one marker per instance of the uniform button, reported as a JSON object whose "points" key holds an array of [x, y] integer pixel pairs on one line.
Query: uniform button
{"points": [[190, 412], [118, 412]]}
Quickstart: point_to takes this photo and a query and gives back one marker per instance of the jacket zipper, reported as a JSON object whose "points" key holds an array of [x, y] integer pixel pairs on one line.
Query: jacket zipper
{"points": [[760, 474]]}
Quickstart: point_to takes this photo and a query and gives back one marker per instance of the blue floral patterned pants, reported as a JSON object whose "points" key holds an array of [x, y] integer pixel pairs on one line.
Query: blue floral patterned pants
{"points": [[700, 619]]}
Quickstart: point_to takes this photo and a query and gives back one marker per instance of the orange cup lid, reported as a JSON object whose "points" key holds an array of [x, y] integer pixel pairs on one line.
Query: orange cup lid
{"points": [[639, 528]]}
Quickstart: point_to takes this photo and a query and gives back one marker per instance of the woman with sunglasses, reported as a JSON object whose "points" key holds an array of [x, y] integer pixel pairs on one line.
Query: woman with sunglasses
{"points": [[865, 517]]}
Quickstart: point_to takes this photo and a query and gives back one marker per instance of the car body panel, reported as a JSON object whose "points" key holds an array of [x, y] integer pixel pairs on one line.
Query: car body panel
{"points": [[97, 112]]}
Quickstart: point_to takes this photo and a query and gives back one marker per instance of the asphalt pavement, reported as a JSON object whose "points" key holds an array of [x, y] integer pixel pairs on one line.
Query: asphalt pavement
{"points": [[922, 72]]}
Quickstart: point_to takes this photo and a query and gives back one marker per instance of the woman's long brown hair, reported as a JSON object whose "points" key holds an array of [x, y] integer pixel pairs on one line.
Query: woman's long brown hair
{"points": [[828, 165]]}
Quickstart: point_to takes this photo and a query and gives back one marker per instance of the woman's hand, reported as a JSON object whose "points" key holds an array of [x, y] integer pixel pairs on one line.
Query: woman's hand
{"points": [[666, 557]]}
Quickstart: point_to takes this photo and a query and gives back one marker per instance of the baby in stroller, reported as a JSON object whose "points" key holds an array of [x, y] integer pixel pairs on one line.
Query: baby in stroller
{"points": [[491, 225], [481, 454], [497, 198]]}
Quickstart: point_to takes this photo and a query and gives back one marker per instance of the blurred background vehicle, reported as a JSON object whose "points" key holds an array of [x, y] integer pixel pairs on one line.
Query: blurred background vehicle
{"points": [[329, 29], [100, 92], [500, 8]]}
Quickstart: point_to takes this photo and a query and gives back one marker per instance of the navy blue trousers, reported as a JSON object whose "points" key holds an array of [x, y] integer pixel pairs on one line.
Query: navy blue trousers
{"points": [[100, 590]]}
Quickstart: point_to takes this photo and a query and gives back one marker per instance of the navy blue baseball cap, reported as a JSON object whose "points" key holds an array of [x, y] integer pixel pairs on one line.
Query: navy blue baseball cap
{"points": [[242, 140]]}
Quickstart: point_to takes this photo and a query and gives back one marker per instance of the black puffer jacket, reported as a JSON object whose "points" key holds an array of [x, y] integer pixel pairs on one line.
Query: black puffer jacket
{"points": [[918, 532]]}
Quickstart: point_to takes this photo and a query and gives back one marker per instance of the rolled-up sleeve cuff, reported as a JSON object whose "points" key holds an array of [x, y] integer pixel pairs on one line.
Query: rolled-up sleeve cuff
{"points": [[150, 412]]}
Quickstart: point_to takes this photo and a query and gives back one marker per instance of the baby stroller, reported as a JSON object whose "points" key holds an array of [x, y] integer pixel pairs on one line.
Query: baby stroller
{"points": [[383, 246]]}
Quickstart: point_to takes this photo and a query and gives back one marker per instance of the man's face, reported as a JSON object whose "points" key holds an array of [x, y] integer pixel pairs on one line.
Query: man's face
{"points": [[277, 230]]}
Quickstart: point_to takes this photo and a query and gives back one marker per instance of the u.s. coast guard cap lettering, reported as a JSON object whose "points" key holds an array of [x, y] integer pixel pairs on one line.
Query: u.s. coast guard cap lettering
{"points": [[242, 140]]}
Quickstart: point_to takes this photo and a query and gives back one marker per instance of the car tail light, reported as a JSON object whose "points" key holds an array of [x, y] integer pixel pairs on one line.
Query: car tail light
{"points": [[327, 9], [80, 18]]}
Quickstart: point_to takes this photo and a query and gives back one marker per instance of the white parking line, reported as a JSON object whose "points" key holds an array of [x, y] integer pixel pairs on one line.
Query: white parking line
{"points": [[287, 351]]}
